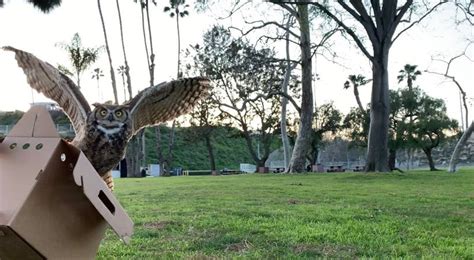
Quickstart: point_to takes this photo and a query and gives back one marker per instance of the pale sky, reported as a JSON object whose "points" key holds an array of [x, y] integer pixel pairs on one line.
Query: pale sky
{"points": [[24, 27]]}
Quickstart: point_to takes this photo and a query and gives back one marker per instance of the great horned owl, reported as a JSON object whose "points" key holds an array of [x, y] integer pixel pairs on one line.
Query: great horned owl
{"points": [[103, 133]]}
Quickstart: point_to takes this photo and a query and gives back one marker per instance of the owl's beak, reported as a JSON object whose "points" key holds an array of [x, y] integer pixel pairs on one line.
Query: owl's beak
{"points": [[110, 117]]}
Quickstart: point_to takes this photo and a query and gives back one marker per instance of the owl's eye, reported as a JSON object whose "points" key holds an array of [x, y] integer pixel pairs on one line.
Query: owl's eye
{"points": [[103, 112], [118, 113]]}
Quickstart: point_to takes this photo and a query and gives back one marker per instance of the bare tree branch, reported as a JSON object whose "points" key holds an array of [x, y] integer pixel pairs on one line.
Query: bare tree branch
{"points": [[466, 10], [236, 7], [346, 28], [454, 80], [265, 24], [417, 21]]}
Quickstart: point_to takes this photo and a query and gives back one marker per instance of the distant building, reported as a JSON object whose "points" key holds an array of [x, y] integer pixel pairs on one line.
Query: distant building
{"points": [[51, 106]]}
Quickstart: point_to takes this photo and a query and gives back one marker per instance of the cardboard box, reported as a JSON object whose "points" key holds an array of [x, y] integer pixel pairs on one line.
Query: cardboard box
{"points": [[53, 204]]}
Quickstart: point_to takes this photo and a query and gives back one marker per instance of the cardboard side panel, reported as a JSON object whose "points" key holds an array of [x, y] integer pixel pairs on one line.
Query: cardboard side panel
{"points": [[57, 219], [36, 122], [13, 247], [21, 160]]}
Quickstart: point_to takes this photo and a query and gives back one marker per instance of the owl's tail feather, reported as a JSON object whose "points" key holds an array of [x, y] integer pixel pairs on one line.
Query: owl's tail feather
{"points": [[109, 180]]}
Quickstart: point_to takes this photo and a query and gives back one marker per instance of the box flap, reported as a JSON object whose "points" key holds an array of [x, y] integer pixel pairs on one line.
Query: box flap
{"points": [[17, 177], [35, 123], [102, 198]]}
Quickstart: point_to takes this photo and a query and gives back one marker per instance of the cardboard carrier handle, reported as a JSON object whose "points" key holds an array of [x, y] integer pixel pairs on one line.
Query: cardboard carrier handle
{"points": [[108, 204], [102, 198]]}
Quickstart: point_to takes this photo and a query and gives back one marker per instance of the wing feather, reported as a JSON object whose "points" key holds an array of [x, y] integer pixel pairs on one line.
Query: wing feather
{"points": [[166, 101], [48, 80]]}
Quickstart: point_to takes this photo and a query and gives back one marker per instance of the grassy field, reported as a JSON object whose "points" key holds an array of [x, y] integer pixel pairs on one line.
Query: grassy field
{"points": [[351, 215]]}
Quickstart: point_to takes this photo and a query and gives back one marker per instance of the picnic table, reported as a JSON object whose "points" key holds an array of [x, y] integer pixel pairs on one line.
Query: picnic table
{"points": [[336, 168]]}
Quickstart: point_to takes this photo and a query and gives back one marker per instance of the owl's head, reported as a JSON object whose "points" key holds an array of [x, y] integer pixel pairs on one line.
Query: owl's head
{"points": [[110, 116]]}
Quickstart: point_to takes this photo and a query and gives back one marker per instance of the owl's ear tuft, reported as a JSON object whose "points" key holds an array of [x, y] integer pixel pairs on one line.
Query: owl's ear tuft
{"points": [[96, 104]]}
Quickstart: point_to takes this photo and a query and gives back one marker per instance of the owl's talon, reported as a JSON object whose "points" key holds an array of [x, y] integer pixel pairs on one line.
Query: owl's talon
{"points": [[109, 181]]}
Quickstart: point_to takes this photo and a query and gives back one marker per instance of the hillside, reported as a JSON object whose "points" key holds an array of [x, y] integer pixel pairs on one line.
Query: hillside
{"points": [[229, 148]]}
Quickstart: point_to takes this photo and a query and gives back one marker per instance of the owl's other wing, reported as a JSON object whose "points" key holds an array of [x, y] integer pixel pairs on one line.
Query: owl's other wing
{"points": [[166, 101], [55, 85]]}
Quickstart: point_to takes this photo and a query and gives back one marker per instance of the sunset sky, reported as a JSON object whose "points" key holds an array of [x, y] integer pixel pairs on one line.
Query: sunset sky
{"points": [[24, 27]]}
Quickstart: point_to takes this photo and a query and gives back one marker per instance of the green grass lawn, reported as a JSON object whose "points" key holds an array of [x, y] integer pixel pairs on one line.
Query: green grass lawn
{"points": [[350, 215]]}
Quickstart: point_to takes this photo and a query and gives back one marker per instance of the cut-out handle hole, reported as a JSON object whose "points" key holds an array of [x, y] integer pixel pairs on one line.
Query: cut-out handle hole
{"points": [[13, 146], [39, 146], [26, 146], [108, 204]]}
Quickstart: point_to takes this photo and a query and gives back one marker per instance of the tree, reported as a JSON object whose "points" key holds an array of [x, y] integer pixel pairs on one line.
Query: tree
{"points": [[177, 9], [448, 75], [380, 21], [284, 100], [459, 145], [136, 148], [81, 57], [112, 72], [303, 139], [122, 72], [45, 6], [356, 81], [357, 123], [409, 72], [429, 125], [97, 74], [243, 75], [308, 50], [327, 119], [126, 69], [204, 118]]}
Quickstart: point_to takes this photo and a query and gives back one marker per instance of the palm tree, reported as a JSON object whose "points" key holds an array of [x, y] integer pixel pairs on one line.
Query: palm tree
{"points": [[356, 81], [176, 11], [81, 57], [112, 72], [408, 72], [97, 74], [122, 71]]}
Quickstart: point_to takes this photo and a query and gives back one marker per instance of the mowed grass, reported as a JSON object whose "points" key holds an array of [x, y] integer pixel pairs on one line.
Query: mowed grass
{"points": [[351, 215]]}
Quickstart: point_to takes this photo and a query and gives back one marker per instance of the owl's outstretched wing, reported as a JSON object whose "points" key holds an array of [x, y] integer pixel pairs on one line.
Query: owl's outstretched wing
{"points": [[55, 85], [166, 101]]}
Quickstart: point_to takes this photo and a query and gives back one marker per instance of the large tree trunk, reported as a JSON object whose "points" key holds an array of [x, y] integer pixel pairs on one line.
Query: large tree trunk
{"points": [[392, 159], [430, 158], [377, 153], [457, 150], [169, 158], [132, 158], [210, 151], [284, 102], [303, 140], [127, 68], [159, 150], [112, 72]]}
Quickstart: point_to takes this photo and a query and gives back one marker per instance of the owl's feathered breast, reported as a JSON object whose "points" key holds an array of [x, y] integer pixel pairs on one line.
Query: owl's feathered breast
{"points": [[104, 149]]}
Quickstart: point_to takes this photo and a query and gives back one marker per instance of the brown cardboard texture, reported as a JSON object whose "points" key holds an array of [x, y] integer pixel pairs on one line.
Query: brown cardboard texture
{"points": [[53, 204]]}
